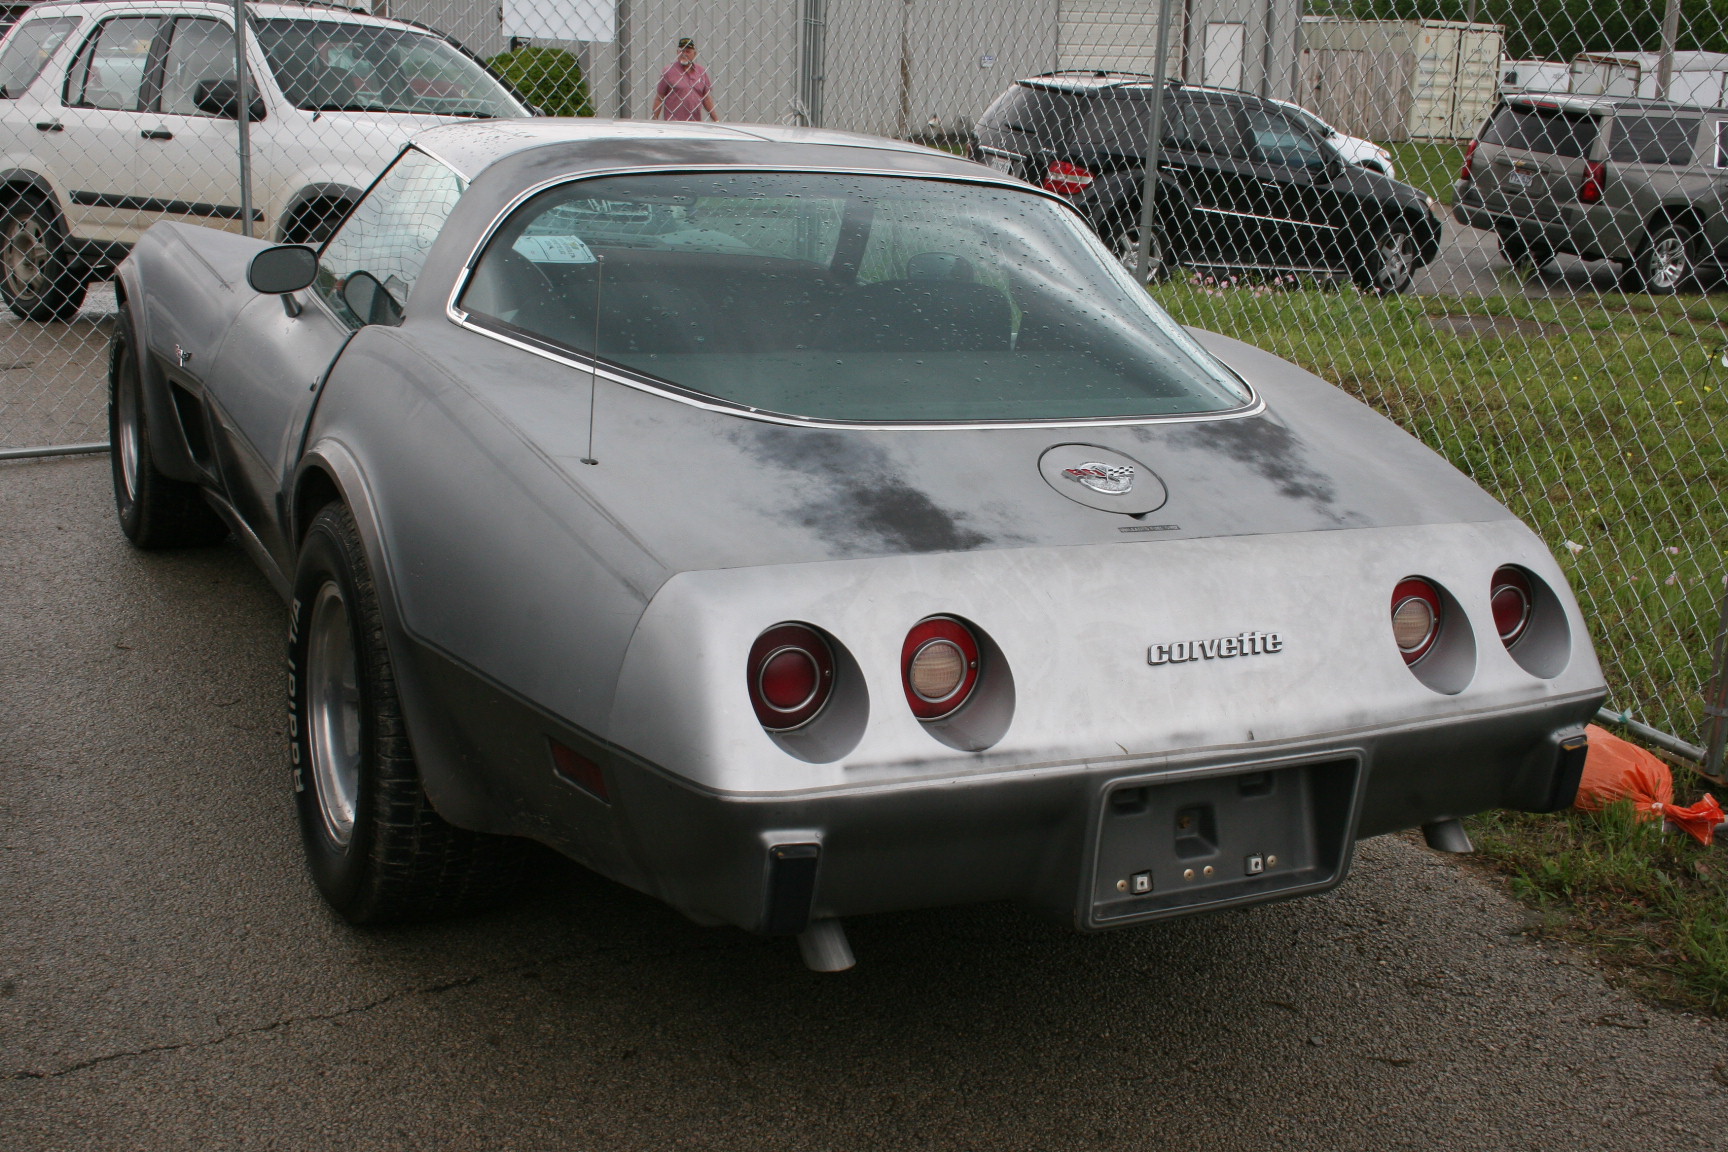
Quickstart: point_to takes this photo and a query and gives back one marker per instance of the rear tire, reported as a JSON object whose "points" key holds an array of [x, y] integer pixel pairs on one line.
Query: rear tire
{"points": [[38, 279], [314, 223], [1524, 255], [1665, 264], [377, 850], [1125, 245], [155, 510]]}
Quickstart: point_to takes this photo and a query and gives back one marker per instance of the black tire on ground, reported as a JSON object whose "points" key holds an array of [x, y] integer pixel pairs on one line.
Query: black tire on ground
{"points": [[156, 511], [38, 280], [313, 223], [1522, 254], [1125, 245], [377, 850], [1389, 265], [1666, 263]]}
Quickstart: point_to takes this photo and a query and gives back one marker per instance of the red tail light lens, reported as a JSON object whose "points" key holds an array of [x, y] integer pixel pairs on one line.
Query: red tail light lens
{"points": [[1416, 615], [791, 676], [1067, 179], [1464, 173], [938, 666], [1511, 599], [1590, 192]]}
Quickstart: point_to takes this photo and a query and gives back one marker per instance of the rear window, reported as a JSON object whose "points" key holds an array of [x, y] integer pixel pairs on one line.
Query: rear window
{"points": [[843, 297], [1024, 108], [1549, 131], [1653, 139]]}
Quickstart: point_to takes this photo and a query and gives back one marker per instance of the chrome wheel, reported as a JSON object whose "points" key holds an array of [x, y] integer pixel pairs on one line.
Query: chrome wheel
{"points": [[333, 713], [26, 251], [1669, 262], [126, 403], [1395, 261], [1126, 246]]}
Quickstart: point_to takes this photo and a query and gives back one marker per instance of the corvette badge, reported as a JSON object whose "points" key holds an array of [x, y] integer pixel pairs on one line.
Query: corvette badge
{"points": [[1110, 479]]}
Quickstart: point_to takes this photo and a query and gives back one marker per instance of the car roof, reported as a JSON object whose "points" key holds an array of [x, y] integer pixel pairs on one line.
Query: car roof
{"points": [[474, 146], [1573, 102], [281, 9]]}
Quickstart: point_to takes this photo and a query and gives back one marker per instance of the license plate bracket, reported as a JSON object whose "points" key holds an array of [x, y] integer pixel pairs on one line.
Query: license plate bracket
{"points": [[1517, 179], [1191, 842]]}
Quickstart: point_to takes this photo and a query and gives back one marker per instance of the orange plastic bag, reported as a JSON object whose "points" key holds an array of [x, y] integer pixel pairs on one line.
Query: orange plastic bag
{"points": [[1615, 769]]}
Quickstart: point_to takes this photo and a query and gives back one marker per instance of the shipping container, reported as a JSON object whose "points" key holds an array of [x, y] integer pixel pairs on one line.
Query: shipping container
{"points": [[1401, 79]]}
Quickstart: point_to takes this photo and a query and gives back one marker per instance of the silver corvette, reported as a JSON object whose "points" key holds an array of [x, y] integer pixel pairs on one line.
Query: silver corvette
{"points": [[794, 525]]}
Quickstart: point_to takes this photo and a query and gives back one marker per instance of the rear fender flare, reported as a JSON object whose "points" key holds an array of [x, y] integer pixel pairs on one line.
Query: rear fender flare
{"points": [[329, 470]]}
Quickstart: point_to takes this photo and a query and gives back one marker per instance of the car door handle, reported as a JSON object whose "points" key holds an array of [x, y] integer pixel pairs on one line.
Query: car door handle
{"points": [[157, 134], [50, 126]]}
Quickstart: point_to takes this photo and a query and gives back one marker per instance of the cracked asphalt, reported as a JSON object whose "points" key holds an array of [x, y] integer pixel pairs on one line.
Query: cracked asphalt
{"points": [[168, 978]]}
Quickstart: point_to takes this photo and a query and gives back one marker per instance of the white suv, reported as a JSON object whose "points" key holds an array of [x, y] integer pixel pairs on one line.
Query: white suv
{"points": [[115, 115]]}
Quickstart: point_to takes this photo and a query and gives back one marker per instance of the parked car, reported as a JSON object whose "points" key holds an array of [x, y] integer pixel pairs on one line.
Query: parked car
{"points": [[1603, 178], [1354, 149], [794, 525], [117, 114], [1243, 182]]}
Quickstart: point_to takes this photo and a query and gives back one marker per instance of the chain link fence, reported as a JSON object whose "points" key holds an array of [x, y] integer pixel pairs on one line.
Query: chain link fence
{"points": [[1552, 322]]}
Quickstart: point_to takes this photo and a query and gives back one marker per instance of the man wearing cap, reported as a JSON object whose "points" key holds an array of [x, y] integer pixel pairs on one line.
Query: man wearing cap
{"points": [[684, 89]]}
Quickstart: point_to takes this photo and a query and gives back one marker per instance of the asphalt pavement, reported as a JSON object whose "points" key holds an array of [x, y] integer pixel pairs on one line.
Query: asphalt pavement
{"points": [[169, 979]]}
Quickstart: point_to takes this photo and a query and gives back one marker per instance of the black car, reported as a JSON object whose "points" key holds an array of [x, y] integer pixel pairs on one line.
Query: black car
{"points": [[1242, 182]]}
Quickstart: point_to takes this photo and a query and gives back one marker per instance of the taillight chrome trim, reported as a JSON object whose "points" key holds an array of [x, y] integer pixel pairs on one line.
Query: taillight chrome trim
{"points": [[1418, 589], [1509, 578], [782, 638], [928, 632]]}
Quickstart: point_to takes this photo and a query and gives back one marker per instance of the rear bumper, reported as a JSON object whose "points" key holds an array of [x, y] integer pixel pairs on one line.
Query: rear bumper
{"points": [[1033, 835], [1589, 233]]}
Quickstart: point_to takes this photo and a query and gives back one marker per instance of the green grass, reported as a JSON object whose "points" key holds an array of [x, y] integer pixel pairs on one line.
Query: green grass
{"points": [[1604, 431], [1430, 165], [1653, 904], [1602, 428]]}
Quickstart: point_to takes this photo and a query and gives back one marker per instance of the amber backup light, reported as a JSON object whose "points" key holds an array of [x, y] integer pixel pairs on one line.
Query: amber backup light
{"points": [[938, 666], [791, 676], [1416, 617]]}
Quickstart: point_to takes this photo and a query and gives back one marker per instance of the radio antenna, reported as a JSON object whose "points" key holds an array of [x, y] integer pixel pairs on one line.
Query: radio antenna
{"points": [[594, 354]]}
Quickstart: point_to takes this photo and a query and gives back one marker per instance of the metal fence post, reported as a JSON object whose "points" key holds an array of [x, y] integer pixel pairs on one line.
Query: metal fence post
{"points": [[1154, 141], [243, 116], [1716, 702]]}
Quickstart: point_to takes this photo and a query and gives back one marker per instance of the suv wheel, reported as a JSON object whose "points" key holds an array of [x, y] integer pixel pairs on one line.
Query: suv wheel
{"points": [[1390, 265], [1522, 254], [1665, 264], [1125, 244], [37, 280]]}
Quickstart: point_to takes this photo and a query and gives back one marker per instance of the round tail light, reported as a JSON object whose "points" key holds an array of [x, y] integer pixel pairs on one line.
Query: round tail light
{"points": [[939, 666], [1416, 609], [1512, 601], [791, 676]]}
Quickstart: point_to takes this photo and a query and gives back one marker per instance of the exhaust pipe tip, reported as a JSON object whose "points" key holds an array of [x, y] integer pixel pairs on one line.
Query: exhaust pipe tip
{"points": [[824, 947], [1447, 836]]}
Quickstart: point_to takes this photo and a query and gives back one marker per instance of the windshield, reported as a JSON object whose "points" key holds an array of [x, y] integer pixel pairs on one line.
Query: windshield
{"points": [[326, 66], [1542, 129], [844, 297]]}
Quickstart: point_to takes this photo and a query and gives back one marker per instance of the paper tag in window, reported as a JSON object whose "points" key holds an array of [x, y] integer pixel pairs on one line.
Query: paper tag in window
{"points": [[554, 250]]}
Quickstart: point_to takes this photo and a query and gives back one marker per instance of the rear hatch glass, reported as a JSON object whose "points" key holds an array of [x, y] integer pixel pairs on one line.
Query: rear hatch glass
{"points": [[1535, 157]]}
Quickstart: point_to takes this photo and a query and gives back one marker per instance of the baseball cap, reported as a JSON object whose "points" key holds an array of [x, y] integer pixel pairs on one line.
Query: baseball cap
{"points": [[686, 42]]}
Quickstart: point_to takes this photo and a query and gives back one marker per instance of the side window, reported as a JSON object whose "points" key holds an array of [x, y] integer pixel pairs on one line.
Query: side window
{"points": [[389, 233], [1653, 139], [1722, 143], [113, 65], [28, 50], [1210, 126], [1278, 140], [200, 60]]}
